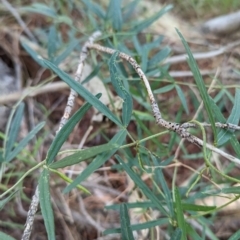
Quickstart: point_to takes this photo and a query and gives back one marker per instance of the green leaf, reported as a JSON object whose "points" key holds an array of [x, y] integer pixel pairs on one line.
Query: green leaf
{"points": [[144, 188], [14, 130], [120, 89], [6, 200], [234, 142], [45, 204], [23, 143], [93, 73], [4, 236], [179, 212], [40, 8], [200, 85], [132, 205], [98, 161], [159, 57], [197, 208], [140, 226], [182, 98], [143, 116], [36, 57], [225, 135], [125, 223], [235, 236], [164, 89], [167, 193], [139, 27], [64, 133], [95, 8], [52, 43], [177, 235], [82, 155], [69, 48], [114, 14], [192, 233], [84, 93], [234, 190], [129, 9]]}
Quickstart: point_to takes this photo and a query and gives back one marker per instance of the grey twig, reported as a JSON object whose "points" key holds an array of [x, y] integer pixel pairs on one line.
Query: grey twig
{"points": [[31, 214], [78, 75], [35, 199], [176, 127]]}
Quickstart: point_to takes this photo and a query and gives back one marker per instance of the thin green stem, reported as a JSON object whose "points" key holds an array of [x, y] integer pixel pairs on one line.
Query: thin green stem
{"points": [[21, 178]]}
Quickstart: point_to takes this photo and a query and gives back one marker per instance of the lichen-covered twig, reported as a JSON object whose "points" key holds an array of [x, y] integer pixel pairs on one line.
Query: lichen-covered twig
{"points": [[176, 127], [78, 76], [30, 215], [71, 99]]}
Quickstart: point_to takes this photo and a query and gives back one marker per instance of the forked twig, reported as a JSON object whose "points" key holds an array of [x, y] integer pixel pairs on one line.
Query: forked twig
{"points": [[181, 129], [70, 103]]}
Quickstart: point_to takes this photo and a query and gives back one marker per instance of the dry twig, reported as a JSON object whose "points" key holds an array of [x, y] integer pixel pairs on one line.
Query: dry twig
{"points": [[176, 127]]}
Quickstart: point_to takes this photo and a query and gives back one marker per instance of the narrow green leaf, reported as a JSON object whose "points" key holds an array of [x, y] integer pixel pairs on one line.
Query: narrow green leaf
{"points": [[140, 226], [235, 236], [23, 143], [143, 116], [139, 27], [98, 161], [125, 223], [177, 235], [159, 57], [234, 190], [182, 98], [69, 180], [84, 93], [4, 236], [153, 44], [167, 193], [120, 89], [144, 188], [6, 200], [201, 86], [192, 233], [52, 43], [164, 89], [225, 135], [64, 133], [69, 48], [45, 204], [82, 155], [14, 130], [95, 8], [36, 57], [93, 73], [114, 14], [40, 8], [197, 208], [129, 9], [234, 142], [179, 212], [137, 45], [132, 205]]}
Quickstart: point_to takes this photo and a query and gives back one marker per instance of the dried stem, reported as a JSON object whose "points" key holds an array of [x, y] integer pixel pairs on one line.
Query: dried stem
{"points": [[78, 76], [30, 215], [176, 127], [71, 99]]}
